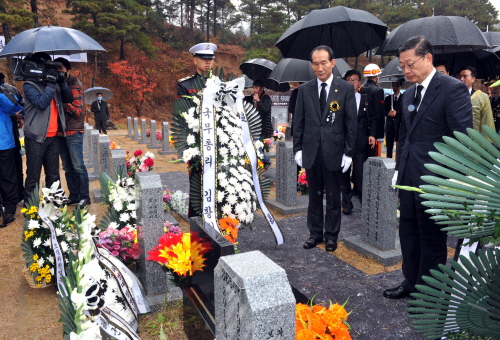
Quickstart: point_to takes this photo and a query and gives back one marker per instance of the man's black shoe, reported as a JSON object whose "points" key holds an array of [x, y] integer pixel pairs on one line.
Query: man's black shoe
{"points": [[310, 243], [347, 211], [73, 201], [396, 293], [83, 203], [331, 245], [7, 218]]}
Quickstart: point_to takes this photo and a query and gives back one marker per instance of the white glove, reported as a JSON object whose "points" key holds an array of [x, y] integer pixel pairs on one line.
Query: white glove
{"points": [[346, 163], [298, 158], [395, 177], [380, 140]]}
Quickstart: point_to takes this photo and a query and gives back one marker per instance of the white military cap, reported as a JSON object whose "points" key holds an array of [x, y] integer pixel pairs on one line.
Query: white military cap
{"points": [[204, 50]]}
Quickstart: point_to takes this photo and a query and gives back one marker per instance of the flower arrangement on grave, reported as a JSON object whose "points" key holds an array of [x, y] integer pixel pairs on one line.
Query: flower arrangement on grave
{"points": [[171, 141], [235, 192], [91, 288], [120, 242], [302, 182], [36, 243], [148, 133], [113, 146], [119, 195], [278, 134], [141, 162], [159, 136], [175, 201], [170, 228], [180, 254], [229, 228], [268, 143], [319, 322]]}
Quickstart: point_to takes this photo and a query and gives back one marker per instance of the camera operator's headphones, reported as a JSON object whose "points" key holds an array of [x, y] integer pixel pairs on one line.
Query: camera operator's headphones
{"points": [[39, 57]]}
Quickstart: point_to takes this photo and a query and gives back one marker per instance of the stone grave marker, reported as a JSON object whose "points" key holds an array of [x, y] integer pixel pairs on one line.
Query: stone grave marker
{"points": [[129, 127], [117, 160], [149, 205], [104, 155], [154, 142], [253, 299], [94, 150], [379, 238], [136, 129], [165, 131], [87, 145], [144, 136], [287, 202]]}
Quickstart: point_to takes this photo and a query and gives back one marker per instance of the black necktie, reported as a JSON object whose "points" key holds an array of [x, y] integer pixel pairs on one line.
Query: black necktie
{"points": [[322, 97], [416, 103]]}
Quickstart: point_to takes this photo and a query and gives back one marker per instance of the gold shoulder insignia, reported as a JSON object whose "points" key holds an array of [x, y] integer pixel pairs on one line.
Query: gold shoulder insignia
{"points": [[184, 79]]}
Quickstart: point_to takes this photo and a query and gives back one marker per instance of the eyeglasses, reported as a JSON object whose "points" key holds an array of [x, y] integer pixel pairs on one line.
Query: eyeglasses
{"points": [[465, 76], [353, 80], [409, 66]]}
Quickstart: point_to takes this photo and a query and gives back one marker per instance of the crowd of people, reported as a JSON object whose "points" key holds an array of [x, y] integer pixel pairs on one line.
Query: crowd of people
{"points": [[51, 114]]}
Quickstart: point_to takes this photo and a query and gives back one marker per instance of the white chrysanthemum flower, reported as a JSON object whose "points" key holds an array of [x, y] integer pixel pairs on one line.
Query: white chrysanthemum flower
{"points": [[230, 189], [254, 206], [131, 207], [47, 243], [242, 161], [242, 194], [40, 262], [248, 196], [232, 199], [124, 217], [224, 138], [238, 187], [221, 175], [190, 140], [223, 182], [52, 269], [223, 122], [149, 154], [233, 180], [133, 214], [226, 209], [117, 205], [239, 208], [50, 258], [113, 225], [59, 232], [242, 216], [246, 186], [192, 109], [241, 151], [64, 246], [37, 242], [33, 224], [220, 196], [231, 145]]}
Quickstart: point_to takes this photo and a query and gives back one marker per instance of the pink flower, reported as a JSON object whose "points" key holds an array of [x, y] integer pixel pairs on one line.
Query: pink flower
{"points": [[143, 168], [114, 253], [137, 153]]}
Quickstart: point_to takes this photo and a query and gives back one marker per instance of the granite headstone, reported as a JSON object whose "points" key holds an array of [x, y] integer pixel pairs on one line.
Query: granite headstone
{"points": [[253, 299], [94, 149], [154, 142], [286, 173], [104, 155], [118, 159], [129, 127], [144, 136], [165, 131], [136, 129]]}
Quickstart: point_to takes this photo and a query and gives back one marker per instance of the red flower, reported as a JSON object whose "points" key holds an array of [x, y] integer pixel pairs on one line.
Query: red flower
{"points": [[137, 153], [149, 162]]}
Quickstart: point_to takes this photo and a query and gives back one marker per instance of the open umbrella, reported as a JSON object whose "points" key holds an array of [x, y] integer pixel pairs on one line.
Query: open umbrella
{"points": [[60, 40], [493, 38], [248, 81], [257, 69], [276, 86], [447, 34], [487, 62], [91, 94], [349, 32], [297, 70]]}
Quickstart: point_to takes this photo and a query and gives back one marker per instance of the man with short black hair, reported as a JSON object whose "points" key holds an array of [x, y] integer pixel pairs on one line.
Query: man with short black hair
{"points": [[203, 59], [435, 106], [442, 68], [481, 106], [101, 113]]}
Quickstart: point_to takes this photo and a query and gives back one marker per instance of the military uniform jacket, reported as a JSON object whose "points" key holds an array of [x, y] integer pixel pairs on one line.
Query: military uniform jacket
{"points": [[185, 86]]}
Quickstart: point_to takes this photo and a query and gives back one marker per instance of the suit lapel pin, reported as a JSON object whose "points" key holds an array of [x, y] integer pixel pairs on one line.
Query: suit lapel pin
{"points": [[336, 90]]}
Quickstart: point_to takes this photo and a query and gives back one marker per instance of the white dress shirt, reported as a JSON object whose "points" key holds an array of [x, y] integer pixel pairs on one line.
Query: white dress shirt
{"points": [[425, 84], [328, 84]]}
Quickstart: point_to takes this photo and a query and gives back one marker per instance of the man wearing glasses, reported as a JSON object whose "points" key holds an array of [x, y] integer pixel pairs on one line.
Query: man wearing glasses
{"points": [[435, 106]]}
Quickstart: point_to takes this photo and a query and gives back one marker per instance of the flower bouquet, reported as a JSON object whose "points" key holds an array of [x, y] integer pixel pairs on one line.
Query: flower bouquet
{"points": [[148, 133], [175, 201], [159, 136], [170, 228], [302, 183], [36, 244], [278, 135], [113, 146], [180, 254], [268, 143], [120, 242], [120, 198], [229, 228], [140, 163], [319, 322]]}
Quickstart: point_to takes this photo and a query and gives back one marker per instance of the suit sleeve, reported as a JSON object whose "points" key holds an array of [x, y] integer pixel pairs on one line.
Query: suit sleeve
{"points": [[351, 121], [298, 122], [458, 108], [93, 107], [387, 104], [402, 131]]}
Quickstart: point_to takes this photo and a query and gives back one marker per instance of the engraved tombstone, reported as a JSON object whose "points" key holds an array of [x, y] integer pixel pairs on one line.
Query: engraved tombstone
{"points": [[144, 136], [166, 149], [129, 127], [136, 129], [154, 142], [94, 152], [286, 174], [104, 155], [117, 160], [150, 227], [253, 299]]}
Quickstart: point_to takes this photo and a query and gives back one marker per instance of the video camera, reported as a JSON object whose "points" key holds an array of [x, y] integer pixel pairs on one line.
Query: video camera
{"points": [[35, 69]]}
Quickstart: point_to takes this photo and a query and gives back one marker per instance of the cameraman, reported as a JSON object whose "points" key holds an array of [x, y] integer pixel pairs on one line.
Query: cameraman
{"points": [[44, 117]]}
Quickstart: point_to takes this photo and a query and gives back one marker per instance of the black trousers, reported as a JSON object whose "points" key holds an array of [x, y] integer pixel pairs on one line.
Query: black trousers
{"points": [[44, 154], [423, 244], [9, 189], [101, 126], [321, 179], [390, 133], [358, 159]]}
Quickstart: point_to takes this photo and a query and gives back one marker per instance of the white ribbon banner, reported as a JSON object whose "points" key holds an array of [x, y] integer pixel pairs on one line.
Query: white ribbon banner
{"points": [[58, 255], [113, 324]]}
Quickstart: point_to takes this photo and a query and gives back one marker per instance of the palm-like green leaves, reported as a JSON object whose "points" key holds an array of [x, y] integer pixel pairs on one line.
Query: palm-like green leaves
{"points": [[462, 299], [467, 201]]}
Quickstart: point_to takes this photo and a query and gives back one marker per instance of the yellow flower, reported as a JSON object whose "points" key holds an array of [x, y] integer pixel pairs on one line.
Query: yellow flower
{"points": [[48, 278], [38, 278], [34, 266], [35, 257], [39, 285], [23, 210]]}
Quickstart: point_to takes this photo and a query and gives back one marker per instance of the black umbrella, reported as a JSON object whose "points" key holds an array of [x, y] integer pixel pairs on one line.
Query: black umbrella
{"points": [[493, 38], [257, 69], [487, 62], [55, 39], [248, 81], [291, 70], [447, 34], [349, 32], [386, 82], [391, 69], [276, 86]]}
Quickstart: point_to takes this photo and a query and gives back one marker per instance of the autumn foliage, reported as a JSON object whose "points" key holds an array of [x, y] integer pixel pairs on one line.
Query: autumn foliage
{"points": [[137, 79]]}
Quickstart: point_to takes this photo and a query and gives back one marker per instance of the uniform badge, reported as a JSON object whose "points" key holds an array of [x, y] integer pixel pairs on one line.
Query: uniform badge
{"points": [[334, 105]]}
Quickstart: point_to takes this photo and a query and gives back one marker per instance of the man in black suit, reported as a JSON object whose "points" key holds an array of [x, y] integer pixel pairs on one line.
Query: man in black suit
{"points": [[324, 133], [393, 114], [435, 106], [375, 96], [101, 113], [365, 132]]}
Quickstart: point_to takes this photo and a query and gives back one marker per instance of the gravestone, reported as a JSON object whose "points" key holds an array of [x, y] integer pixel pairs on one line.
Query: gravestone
{"points": [[253, 299], [287, 202], [150, 227], [117, 160], [166, 149], [154, 142], [144, 136], [136, 129], [129, 127], [104, 155], [379, 238], [87, 145], [274, 121], [94, 150]]}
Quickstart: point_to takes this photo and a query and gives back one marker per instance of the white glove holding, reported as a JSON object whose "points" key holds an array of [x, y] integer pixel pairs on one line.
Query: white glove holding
{"points": [[346, 163], [298, 158], [395, 177]]}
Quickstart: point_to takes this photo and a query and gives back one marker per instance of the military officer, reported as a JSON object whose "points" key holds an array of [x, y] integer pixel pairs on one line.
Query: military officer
{"points": [[203, 58]]}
